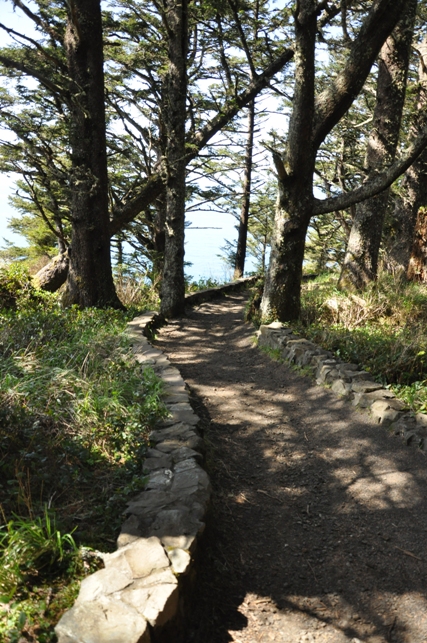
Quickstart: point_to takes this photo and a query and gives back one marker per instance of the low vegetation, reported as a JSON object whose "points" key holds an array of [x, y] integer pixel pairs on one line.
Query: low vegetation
{"points": [[75, 415], [201, 284], [383, 330]]}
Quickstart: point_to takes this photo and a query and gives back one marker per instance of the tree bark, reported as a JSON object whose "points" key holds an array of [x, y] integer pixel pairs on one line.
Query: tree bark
{"points": [[52, 276], [173, 284], [239, 267], [402, 228], [281, 298], [310, 123], [360, 265], [90, 280], [417, 266]]}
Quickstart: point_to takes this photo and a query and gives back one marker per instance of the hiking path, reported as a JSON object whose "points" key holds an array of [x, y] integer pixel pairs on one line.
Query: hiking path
{"points": [[318, 523]]}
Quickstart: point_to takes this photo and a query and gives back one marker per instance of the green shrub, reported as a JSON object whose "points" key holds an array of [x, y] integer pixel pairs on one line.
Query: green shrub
{"points": [[17, 289], [202, 284]]}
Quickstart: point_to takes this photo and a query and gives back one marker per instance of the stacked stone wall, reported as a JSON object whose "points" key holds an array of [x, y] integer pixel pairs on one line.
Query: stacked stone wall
{"points": [[348, 381], [142, 593]]}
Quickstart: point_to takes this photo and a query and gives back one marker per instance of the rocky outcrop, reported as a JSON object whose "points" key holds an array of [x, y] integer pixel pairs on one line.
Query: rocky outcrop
{"points": [[348, 381], [52, 276]]}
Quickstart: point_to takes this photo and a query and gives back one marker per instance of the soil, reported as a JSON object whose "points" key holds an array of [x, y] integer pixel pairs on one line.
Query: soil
{"points": [[318, 524]]}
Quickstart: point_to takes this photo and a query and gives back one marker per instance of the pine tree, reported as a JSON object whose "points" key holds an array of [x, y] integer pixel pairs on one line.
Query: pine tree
{"points": [[312, 119]]}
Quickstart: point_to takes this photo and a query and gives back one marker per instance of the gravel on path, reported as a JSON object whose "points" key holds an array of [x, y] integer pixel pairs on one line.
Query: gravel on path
{"points": [[318, 525]]}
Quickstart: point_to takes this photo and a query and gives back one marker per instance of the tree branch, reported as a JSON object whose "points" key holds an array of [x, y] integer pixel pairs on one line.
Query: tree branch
{"points": [[30, 71], [234, 9], [376, 185], [241, 100], [154, 185], [334, 102], [43, 24], [37, 45]]}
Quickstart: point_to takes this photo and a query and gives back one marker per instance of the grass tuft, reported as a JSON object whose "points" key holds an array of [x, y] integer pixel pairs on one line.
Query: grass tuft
{"points": [[382, 330], [76, 411]]}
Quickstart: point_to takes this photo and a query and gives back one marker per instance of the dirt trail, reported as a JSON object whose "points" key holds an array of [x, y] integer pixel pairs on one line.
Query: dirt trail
{"points": [[318, 530]]}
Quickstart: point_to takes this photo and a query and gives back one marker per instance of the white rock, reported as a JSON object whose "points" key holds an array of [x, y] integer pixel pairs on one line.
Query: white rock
{"points": [[106, 620], [143, 556], [158, 604], [180, 560]]}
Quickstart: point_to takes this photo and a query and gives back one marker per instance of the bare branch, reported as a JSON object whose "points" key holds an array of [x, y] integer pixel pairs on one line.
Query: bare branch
{"points": [[43, 24], [154, 185], [334, 102]]}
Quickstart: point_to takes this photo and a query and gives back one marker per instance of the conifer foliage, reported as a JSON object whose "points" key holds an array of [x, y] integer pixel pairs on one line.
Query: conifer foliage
{"points": [[114, 115]]}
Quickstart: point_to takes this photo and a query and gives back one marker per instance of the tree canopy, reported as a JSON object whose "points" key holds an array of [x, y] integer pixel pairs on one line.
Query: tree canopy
{"points": [[116, 136]]}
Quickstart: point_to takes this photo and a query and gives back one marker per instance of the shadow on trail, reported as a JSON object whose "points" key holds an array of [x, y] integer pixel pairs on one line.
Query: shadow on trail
{"points": [[319, 518]]}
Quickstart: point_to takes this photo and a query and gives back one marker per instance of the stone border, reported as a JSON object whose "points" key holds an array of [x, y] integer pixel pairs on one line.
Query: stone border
{"points": [[201, 296], [348, 381], [139, 595]]}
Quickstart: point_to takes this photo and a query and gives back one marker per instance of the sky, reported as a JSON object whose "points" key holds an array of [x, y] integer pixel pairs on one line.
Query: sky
{"points": [[202, 247], [204, 238]]}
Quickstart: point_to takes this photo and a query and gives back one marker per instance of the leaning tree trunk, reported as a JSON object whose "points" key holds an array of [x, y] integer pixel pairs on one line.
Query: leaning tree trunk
{"points": [[173, 284], [239, 266], [90, 280], [361, 260]]}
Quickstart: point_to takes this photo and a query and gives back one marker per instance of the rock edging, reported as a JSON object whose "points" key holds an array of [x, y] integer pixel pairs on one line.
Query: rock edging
{"points": [[138, 596], [348, 381], [200, 296]]}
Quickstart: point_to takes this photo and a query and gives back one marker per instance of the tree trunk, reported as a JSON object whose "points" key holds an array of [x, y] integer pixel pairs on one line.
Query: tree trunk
{"points": [[361, 261], [159, 238], [281, 298], [239, 267], [90, 280], [417, 268], [310, 123], [173, 285], [402, 228], [52, 276], [401, 234]]}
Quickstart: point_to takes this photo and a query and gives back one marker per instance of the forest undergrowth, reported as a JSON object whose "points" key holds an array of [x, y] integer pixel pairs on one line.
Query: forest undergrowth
{"points": [[384, 330], [75, 415]]}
